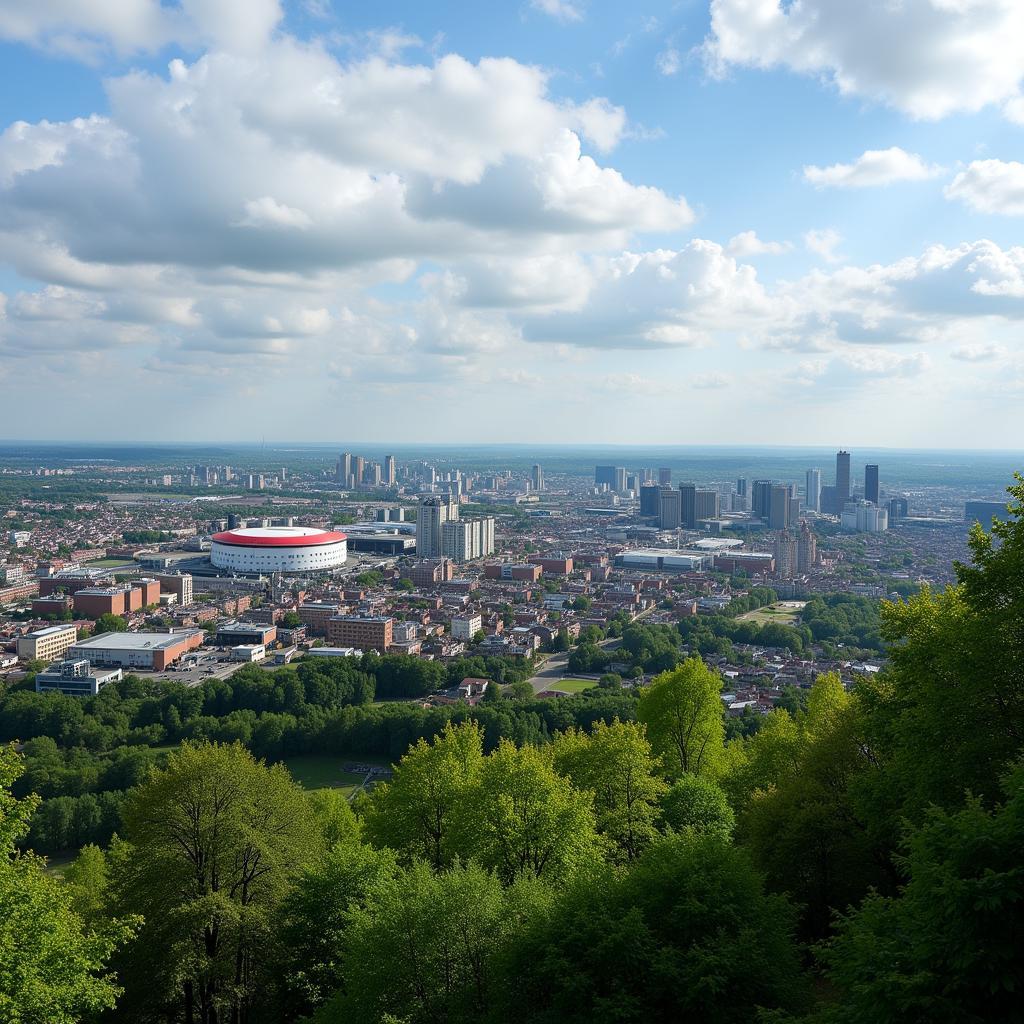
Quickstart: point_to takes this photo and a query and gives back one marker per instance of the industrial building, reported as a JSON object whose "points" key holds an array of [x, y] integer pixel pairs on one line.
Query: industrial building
{"points": [[137, 650], [75, 678], [278, 549], [663, 560], [233, 634]]}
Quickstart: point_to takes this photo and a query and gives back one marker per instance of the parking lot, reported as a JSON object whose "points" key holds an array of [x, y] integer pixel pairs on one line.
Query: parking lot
{"points": [[199, 666]]}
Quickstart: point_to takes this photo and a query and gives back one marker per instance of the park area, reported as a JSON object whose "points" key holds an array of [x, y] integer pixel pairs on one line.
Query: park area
{"points": [[574, 685], [782, 613], [328, 771]]}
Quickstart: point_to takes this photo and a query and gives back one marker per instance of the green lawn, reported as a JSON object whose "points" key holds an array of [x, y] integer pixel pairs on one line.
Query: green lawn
{"points": [[108, 563], [324, 771], [574, 685], [785, 613]]}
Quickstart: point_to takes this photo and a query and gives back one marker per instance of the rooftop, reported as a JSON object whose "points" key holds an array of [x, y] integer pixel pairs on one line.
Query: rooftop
{"points": [[135, 641]]}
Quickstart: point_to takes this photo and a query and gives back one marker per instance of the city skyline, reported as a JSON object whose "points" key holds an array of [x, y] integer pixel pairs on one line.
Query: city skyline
{"points": [[565, 209]]}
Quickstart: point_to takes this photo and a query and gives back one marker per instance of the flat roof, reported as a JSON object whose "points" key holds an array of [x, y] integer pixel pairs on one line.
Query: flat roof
{"points": [[51, 630], [136, 641]]}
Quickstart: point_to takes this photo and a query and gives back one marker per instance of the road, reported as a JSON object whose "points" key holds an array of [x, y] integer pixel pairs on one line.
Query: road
{"points": [[554, 668]]}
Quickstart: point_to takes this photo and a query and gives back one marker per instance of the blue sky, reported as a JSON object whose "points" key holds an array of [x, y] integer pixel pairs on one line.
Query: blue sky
{"points": [[557, 220]]}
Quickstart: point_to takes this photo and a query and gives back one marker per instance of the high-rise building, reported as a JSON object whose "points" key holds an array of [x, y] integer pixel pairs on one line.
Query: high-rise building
{"points": [[373, 475], [843, 477], [812, 494], [537, 478], [863, 517], [650, 500], [631, 482], [783, 507], [344, 467], [358, 468], [390, 473], [605, 476], [761, 498], [462, 540], [707, 505], [433, 513], [871, 484], [688, 505], [806, 549], [786, 555], [664, 475], [741, 486], [898, 508], [669, 509]]}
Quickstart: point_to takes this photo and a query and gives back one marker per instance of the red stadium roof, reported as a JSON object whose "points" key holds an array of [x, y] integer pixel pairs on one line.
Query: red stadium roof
{"points": [[267, 539]]}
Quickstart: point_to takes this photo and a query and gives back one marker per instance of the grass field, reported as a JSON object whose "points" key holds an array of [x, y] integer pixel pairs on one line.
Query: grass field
{"points": [[109, 563], [324, 771], [784, 613], [574, 685]]}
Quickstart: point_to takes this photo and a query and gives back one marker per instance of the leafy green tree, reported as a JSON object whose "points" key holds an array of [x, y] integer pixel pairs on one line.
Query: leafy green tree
{"points": [[682, 710], [291, 620], [522, 818], [108, 623], [615, 764], [314, 918], [807, 832], [212, 844], [947, 715], [697, 803], [686, 934], [87, 877], [422, 946], [53, 967], [414, 813], [949, 946]]}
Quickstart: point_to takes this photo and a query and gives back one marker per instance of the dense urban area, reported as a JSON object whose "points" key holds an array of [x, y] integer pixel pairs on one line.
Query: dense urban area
{"points": [[518, 721]]}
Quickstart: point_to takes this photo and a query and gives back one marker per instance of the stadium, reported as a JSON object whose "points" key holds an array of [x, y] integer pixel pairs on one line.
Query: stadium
{"points": [[278, 549]]}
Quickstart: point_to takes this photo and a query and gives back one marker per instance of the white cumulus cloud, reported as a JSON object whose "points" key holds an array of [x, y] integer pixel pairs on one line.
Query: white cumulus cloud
{"points": [[928, 58], [872, 168], [990, 186]]}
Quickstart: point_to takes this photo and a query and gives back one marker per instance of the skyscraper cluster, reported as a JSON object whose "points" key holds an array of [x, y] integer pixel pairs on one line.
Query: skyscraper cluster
{"points": [[353, 471]]}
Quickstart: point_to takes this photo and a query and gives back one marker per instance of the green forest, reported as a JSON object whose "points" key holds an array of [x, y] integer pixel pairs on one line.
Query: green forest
{"points": [[609, 859]]}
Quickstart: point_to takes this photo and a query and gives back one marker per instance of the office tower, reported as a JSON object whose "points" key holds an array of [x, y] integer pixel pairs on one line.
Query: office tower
{"points": [[537, 478], [604, 476], [646, 475], [631, 482], [761, 498], [782, 508], [786, 555], [806, 549], [390, 474], [741, 486], [669, 509], [898, 508], [344, 467], [871, 484], [432, 515], [688, 505], [664, 475], [813, 490], [842, 478], [650, 500], [707, 505], [373, 474], [620, 478]]}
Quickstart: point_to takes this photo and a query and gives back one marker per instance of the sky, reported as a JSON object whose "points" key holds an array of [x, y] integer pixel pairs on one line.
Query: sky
{"points": [[557, 221]]}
